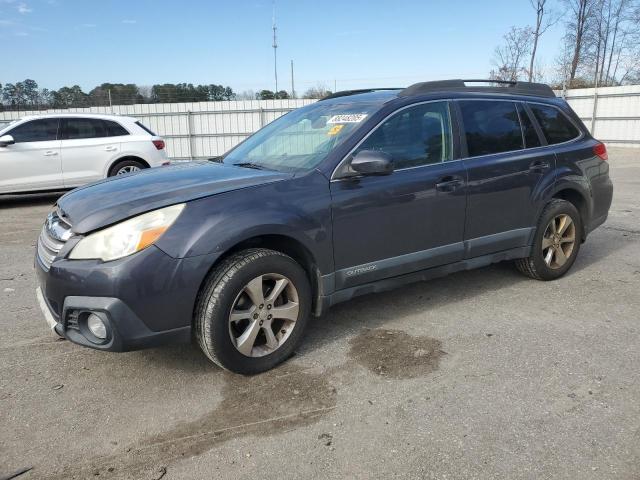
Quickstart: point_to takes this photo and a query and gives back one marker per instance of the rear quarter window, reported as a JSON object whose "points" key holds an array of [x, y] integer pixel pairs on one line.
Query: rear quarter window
{"points": [[555, 126], [114, 129]]}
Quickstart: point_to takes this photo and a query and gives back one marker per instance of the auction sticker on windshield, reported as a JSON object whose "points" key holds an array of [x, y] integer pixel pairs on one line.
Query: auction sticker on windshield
{"points": [[348, 118]]}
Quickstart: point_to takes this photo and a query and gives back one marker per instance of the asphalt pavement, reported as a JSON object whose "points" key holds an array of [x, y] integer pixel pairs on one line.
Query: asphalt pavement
{"points": [[482, 374]]}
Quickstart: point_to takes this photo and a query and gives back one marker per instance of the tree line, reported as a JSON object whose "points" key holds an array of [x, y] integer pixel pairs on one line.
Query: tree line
{"points": [[28, 95], [600, 45]]}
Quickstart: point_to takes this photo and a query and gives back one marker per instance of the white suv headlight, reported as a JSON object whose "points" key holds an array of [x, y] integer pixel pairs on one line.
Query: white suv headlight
{"points": [[126, 237]]}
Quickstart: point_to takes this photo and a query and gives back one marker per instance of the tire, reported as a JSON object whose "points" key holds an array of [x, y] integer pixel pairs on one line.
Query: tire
{"points": [[126, 166], [542, 265], [232, 287]]}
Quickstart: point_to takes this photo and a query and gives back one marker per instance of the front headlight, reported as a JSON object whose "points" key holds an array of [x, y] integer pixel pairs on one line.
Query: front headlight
{"points": [[126, 237]]}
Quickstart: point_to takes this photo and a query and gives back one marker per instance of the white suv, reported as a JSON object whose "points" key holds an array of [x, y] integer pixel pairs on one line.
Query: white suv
{"points": [[60, 151]]}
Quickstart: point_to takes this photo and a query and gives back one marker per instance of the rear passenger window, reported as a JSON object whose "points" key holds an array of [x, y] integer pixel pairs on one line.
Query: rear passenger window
{"points": [[115, 129], [491, 127], [35, 131], [78, 128], [415, 136], [554, 124], [531, 138]]}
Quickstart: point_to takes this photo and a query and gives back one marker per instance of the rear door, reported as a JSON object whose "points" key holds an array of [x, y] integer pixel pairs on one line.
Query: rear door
{"points": [[87, 150], [507, 172], [33, 162], [384, 226]]}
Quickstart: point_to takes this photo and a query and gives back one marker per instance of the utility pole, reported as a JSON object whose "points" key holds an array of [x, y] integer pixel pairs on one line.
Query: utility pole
{"points": [[275, 48], [110, 104], [293, 89]]}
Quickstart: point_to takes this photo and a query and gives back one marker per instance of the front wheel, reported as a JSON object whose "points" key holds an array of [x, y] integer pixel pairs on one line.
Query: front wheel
{"points": [[252, 311], [556, 243]]}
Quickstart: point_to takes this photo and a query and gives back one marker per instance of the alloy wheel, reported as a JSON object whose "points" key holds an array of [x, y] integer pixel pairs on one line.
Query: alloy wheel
{"points": [[263, 315], [127, 169], [558, 241]]}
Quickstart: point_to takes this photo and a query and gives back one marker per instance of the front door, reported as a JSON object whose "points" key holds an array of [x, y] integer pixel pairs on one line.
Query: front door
{"points": [[33, 161], [384, 226]]}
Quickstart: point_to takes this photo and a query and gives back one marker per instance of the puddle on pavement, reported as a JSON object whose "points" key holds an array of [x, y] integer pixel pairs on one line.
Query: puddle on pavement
{"points": [[277, 401], [395, 354]]}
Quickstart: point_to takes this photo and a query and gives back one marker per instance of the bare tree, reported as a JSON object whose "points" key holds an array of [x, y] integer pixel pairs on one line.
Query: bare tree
{"points": [[319, 91], [610, 44], [544, 20], [509, 58], [578, 26]]}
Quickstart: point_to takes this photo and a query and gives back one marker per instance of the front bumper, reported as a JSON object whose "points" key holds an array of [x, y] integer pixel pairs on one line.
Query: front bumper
{"points": [[145, 299]]}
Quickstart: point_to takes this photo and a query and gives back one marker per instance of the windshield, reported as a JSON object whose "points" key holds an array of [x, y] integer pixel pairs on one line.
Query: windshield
{"points": [[303, 138], [5, 126]]}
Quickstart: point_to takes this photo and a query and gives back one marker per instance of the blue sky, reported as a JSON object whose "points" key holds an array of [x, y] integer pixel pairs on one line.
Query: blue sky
{"points": [[356, 43]]}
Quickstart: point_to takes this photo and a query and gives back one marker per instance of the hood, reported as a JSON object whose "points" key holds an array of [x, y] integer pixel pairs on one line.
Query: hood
{"points": [[117, 198]]}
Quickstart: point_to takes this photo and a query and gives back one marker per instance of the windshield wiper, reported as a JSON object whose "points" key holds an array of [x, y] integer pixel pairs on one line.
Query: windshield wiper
{"points": [[257, 166]]}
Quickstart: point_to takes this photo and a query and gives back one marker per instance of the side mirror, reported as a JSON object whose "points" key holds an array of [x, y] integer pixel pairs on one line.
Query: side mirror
{"points": [[372, 162], [6, 140]]}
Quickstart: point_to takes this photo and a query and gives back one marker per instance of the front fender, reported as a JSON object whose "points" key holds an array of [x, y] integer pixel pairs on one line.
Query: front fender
{"points": [[298, 208]]}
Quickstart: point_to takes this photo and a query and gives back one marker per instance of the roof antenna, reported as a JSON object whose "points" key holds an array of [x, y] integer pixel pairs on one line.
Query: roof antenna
{"points": [[275, 47]]}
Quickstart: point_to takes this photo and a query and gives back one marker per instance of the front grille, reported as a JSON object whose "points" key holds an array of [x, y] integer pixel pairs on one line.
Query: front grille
{"points": [[55, 233]]}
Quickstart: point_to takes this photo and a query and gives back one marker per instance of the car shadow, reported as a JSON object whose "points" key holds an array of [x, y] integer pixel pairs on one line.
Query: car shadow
{"points": [[379, 309], [29, 199], [597, 248], [376, 310]]}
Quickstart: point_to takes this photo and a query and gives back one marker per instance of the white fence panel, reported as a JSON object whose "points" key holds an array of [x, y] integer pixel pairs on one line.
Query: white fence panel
{"points": [[612, 114]]}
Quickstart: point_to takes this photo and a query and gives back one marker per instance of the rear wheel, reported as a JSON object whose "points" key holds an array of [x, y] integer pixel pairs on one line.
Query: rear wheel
{"points": [[126, 166], [556, 243], [252, 311]]}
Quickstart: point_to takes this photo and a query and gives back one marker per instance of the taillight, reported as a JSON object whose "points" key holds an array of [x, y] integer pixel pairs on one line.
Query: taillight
{"points": [[601, 150], [159, 144]]}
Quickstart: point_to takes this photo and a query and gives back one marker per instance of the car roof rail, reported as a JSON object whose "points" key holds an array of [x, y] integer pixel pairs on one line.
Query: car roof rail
{"points": [[493, 86], [346, 93]]}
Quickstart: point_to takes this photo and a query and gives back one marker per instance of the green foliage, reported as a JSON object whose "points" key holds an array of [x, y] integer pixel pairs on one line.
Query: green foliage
{"points": [[187, 92], [26, 95], [265, 95], [121, 94], [70, 97]]}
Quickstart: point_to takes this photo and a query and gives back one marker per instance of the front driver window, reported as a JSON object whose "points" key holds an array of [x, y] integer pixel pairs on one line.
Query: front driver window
{"points": [[419, 135], [35, 131]]}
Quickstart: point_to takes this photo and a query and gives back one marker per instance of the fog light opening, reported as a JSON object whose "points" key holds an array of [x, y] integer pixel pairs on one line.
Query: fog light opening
{"points": [[96, 326]]}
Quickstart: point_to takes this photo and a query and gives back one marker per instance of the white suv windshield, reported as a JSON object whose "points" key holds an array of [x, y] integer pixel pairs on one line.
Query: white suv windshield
{"points": [[303, 138]]}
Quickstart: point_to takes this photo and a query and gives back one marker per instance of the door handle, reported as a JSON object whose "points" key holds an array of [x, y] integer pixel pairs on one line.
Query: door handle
{"points": [[110, 148], [50, 153], [449, 183], [539, 166]]}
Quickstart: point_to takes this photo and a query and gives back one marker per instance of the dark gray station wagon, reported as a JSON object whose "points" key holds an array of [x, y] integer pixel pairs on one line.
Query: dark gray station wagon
{"points": [[358, 193]]}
